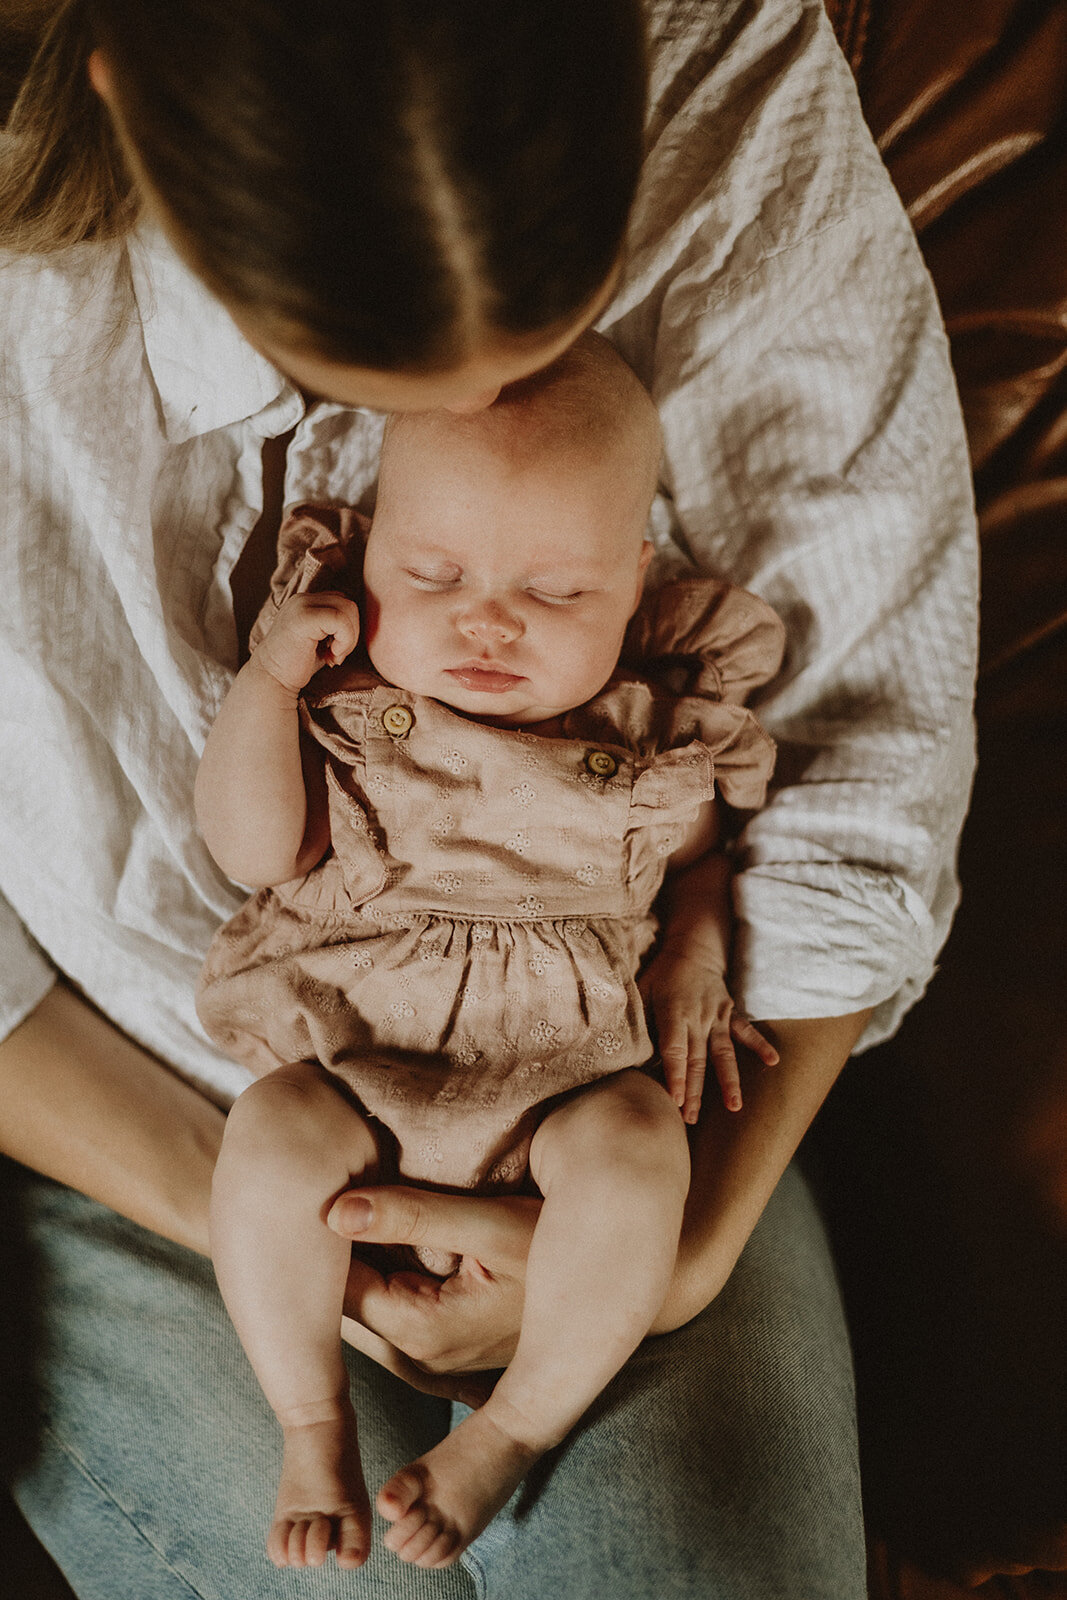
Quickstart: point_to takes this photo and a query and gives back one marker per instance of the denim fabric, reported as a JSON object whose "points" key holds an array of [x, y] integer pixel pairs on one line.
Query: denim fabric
{"points": [[720, 1464]]}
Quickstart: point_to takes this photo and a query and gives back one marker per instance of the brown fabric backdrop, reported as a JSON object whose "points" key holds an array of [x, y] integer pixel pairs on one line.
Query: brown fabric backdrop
{"points": [[945, 1152]]}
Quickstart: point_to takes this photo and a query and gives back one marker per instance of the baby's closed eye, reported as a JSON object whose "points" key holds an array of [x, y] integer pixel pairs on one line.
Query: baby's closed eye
{"points": [[555, 597], [434, 581]]}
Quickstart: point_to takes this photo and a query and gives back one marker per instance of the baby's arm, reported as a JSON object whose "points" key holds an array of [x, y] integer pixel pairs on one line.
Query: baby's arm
{"points": [[684, 986], [260, 792]]}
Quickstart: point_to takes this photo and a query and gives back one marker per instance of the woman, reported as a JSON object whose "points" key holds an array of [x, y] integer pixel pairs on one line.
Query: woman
{"points": [[236, 236]]}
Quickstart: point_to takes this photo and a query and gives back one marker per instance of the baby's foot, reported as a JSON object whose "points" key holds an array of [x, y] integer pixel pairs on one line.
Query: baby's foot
{"points": [[442, 1501], [322, 1500]]}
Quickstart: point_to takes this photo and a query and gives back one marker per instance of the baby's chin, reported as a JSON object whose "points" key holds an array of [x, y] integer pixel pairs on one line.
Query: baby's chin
{"points": [[534, 718], [480, 708]]}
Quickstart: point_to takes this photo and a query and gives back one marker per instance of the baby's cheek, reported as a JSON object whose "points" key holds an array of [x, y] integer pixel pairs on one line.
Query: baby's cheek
{"points": [[584, 665], [384, 621], [381, 648], [372, 614]]}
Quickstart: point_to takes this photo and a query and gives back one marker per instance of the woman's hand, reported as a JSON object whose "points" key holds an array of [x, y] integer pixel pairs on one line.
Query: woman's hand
{"points": [[425, 1330]]}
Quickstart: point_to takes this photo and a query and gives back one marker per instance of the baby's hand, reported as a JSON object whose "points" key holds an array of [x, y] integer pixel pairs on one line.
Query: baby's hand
{"points": [[694, 1017], [309, 632]]}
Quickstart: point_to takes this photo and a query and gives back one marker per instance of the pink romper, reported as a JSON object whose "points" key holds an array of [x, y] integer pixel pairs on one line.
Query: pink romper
{"points": [[467, 949]]}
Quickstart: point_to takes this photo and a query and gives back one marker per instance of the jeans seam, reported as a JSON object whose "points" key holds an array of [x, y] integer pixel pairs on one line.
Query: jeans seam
{"points": [[474, 1567], [82, 1466]]}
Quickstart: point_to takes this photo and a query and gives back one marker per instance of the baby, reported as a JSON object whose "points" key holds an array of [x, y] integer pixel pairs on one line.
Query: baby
{"points": [[461, 805]]}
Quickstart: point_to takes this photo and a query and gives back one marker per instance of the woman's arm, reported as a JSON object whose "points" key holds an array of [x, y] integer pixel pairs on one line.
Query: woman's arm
{"points": [[83, 1104], [260, 792], [738, 1160]]}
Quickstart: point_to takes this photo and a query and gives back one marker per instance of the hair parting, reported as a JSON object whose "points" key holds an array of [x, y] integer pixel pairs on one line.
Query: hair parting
{"points": [[380, 184]]}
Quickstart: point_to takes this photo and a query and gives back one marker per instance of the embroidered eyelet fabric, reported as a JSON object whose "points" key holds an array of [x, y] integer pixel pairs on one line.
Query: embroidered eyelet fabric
{"points": [[468, 947]]}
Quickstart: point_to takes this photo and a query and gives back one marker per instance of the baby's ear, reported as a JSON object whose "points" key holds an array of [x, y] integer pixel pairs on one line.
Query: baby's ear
{"points": [[647, 552]]}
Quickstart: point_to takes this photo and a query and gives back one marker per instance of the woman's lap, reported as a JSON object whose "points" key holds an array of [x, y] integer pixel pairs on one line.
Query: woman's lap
{"points": [[720, 1463]]}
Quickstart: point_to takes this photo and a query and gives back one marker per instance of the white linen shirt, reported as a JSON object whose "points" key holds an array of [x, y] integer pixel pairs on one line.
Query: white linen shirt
{"points": [[775, 304]]}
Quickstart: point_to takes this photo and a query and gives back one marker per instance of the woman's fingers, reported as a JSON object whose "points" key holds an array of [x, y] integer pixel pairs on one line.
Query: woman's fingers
{"points": [[494, 1231], [395, 1311], [468, 1323], [473, 1391]]}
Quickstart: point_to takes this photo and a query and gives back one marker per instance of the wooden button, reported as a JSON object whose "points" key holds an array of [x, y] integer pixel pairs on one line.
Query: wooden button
{"points": [[600, 764], [397, 721]]}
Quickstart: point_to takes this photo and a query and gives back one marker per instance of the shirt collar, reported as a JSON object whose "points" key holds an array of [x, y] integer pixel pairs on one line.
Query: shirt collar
{"points": [[206, 373]]}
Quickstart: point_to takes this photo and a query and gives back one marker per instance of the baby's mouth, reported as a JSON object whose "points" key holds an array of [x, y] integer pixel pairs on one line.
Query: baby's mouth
{"points": [[487, 679]]}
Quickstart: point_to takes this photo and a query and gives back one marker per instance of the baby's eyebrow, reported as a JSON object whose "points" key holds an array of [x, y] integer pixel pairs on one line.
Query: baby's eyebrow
{"points": [[427, 554], [573, 572]]}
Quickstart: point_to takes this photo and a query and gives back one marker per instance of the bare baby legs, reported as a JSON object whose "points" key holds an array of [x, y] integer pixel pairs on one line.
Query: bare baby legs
{"points": [[292, 1143], [612, 1164]]}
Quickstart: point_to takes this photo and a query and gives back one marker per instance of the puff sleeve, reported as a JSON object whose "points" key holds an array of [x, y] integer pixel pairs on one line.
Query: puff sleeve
{"points": [[702, 646], [319, 547]]}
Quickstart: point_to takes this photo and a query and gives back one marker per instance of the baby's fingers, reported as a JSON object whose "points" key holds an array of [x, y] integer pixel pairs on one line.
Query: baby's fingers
{"points": [[673, 1039], [341, 640], [746, 1033], [724, 1061], [696, 1071]]}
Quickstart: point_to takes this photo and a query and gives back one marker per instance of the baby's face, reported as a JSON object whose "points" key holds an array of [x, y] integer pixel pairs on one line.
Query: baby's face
{"points": [[501, 589]]}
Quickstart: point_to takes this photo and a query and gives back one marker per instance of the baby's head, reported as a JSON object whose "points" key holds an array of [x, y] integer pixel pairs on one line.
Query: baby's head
{"points": [[508, 549]]}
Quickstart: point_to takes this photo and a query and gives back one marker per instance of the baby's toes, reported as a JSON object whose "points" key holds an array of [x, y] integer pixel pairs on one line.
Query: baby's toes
{"points": [[417, 1547], [442, 1551], [397, 1536], [296, 1553], [278, 1542], [396, 1497], [352, 1544], [317, 1539]]}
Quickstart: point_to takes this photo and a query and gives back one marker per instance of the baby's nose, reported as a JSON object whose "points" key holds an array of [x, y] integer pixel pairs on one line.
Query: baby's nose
{"points": [[490, 623]]}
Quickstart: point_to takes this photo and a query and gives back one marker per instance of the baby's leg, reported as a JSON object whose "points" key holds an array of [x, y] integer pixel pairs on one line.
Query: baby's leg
{"points": [[292, 1142], [613, 1166]]}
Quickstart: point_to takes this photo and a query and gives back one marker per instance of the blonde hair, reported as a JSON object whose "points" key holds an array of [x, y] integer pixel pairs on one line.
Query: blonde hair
{"points": [[63, 180]]}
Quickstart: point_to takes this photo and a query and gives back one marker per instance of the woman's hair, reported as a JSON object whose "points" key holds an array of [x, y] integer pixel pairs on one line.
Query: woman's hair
{"points": [[376, 181], [62, 177]]}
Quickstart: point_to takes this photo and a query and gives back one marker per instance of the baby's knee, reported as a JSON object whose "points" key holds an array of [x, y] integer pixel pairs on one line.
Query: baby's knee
{"points": [[298, 1116], [627, 1122]]}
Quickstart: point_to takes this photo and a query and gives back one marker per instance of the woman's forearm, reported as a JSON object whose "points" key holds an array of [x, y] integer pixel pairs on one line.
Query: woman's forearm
{"points": [[738, 1158], [82, 1103]]}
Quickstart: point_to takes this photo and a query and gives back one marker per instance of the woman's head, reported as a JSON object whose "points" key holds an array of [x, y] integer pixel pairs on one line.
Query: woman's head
{"points": [[386, 184]]}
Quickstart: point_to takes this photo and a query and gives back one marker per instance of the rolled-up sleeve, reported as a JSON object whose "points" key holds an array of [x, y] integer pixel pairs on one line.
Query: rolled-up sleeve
{"points": [[818, 457], [25, 975]]}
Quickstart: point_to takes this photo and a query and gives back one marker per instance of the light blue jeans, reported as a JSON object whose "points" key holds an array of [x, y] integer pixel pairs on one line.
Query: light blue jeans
{"points": [[720, 1464]]}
